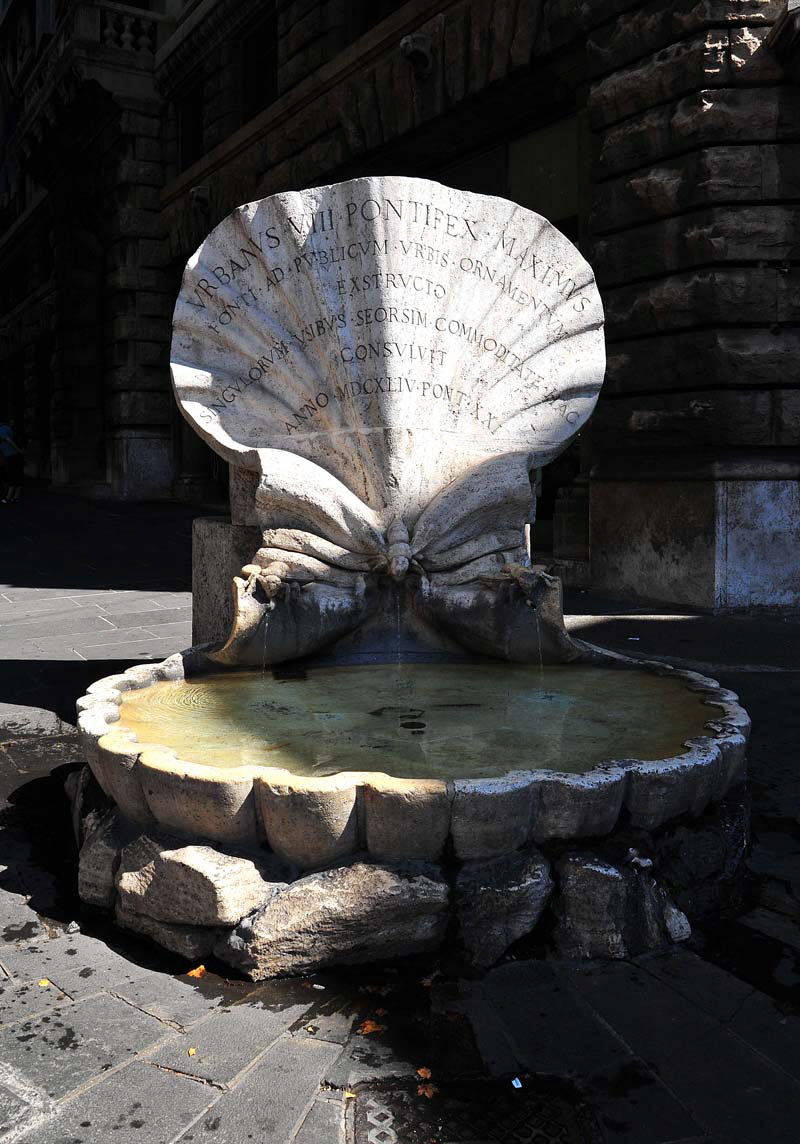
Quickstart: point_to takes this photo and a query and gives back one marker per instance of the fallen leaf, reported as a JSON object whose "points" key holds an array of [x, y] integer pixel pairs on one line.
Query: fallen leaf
{"points": [[425, 1073], [191, 1052], [369, 1026], [351, 1095], [427, 1090], [198, 971], [44, 982]]}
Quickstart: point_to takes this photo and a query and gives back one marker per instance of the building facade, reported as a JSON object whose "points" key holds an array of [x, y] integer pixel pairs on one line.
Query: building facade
{"points": [[663, 137]]}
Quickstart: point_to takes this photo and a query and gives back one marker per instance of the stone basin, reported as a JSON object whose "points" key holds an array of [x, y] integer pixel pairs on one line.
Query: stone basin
{"points": [[247, 759]]}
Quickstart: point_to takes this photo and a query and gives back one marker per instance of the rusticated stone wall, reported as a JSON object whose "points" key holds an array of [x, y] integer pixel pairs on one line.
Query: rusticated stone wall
{"points": [[694, 237], [694, 228], [690, 120]]}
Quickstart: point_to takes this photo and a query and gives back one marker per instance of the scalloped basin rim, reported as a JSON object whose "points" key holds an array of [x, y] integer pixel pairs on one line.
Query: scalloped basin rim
{"points": [[107, 692], [318, 821]]}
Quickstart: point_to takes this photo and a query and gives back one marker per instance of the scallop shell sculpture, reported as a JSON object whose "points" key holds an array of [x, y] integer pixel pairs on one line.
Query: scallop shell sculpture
{"points": [[393, 357]]}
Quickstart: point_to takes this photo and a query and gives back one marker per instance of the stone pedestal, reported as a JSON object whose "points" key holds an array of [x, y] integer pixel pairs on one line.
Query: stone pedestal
{"points": [[219, 551], [716, 544]]}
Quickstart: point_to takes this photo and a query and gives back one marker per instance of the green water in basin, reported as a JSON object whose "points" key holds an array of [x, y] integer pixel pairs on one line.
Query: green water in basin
{"points": [[420, 720]]}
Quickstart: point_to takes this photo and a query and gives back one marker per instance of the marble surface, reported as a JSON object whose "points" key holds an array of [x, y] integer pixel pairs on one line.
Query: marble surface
{"points": [[395, 333], [391, 358]]}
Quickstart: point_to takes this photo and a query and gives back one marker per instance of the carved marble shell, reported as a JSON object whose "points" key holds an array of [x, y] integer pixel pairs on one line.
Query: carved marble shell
{"points": [[395, 332]]}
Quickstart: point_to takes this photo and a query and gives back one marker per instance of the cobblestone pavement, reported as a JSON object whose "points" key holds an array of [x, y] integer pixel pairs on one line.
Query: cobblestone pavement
{"points": [[105, 1039]]}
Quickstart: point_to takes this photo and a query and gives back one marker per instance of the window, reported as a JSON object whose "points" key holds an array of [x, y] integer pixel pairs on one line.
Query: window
{"points": [[543, 173], [259, 67], [189, 107]]}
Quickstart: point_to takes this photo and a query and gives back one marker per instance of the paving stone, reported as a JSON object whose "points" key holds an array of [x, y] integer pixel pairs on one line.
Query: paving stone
{"points": [[778, 926], [726, 1086], [23, 1107], [34, 608], [467, 1036], [324, 1123], [716, 992], [139, 1104], [271, 1100], [771, 1029], [77, 620], [27, 595], [227, 1042], [138, 602], [335, 1027], [27, 999], [181, 630], [66, 1048], [531, 1002], [634, 1107], [135, 651], [45, 753], [108, 636], [18, 721], [143, 618], [369, 1058], [77, 964], [173, 999]]}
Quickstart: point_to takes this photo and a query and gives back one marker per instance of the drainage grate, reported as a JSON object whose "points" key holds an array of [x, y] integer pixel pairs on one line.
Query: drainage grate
{"points": [[473, 1112]]}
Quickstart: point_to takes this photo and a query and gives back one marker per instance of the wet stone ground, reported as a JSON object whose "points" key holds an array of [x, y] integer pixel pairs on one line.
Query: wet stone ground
{"points": [[105, 1039]]}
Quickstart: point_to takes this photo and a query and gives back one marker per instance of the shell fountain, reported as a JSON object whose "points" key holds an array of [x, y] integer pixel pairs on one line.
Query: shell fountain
{"points": [[392, 360]]}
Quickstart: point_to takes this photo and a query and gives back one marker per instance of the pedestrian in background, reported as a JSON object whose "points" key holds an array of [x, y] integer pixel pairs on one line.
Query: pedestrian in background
{"points": [[12, 464]]}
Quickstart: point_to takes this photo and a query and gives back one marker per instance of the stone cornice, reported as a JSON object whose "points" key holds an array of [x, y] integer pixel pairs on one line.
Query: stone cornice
{"points": [[355, 58], [193, 41]]}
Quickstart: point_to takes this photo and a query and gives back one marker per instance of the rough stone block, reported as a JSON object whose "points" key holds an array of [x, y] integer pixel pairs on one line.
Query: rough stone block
{"points": [[656, 25], [198, 801], [713, 58], [349, 915], [192, 885], [191, 942], [721, 235], [491, 816], [701, 862], [747, 359], [87, 800], [406, 818], [99, 860], [310, 821], [662, 790], [498, 901], [576, 806], [694, 298], [603, 910], [723, 116], [118, 774]]}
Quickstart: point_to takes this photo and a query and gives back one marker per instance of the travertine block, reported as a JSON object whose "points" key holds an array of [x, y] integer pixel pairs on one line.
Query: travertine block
{"points": [[191, 885], [309, 821], [406, 818]]}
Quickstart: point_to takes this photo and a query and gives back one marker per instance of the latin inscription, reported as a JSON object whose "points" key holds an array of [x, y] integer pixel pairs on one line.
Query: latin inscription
{"points": [[412, 331]]}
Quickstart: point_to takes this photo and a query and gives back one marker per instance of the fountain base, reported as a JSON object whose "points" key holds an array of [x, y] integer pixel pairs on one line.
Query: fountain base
{"points": [[607, 898]]}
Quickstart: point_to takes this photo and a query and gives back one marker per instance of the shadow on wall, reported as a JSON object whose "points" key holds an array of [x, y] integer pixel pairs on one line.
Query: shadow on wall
{"points": [[62, 542]]}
